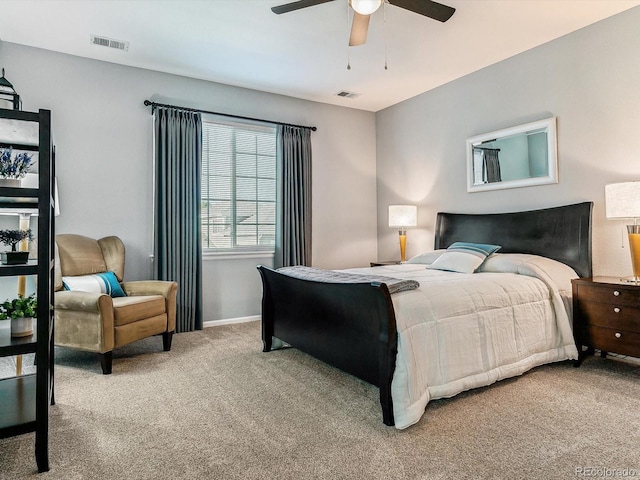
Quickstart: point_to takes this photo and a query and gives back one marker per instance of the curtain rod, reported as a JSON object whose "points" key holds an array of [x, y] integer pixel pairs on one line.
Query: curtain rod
{"points": [[486, 148], [154, 104]]}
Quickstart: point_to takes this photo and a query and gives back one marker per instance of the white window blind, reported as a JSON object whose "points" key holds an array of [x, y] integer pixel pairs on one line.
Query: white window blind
{"points": [[238, 186]]}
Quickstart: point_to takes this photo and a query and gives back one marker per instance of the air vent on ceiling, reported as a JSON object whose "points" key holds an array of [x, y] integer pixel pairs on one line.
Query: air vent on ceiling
{"points": [[346, 94], [109, 42]]}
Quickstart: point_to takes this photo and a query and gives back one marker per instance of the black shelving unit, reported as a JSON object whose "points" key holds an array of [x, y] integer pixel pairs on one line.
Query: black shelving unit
{"points": [[25, 399]]}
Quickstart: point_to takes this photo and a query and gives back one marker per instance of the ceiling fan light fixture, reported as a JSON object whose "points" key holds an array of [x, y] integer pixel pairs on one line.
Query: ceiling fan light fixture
{"points": [[365, 7]]}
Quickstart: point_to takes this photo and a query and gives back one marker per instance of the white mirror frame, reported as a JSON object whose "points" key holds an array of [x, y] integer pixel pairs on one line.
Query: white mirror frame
{"points": [[549, 124]]}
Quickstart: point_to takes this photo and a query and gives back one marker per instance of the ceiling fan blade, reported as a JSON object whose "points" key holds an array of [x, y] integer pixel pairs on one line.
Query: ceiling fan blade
{"points": [[290, 7], [428, 8], [359, 29]]}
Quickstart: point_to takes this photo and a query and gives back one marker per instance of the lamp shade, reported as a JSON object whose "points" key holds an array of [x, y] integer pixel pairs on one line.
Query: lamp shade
{"points": [[403, 215], [622, 200], [365, 7]]}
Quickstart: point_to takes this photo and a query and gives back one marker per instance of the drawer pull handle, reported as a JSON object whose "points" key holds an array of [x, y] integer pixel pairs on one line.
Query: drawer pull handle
{"points": [[617, 310], [618, 335], [616, 293]]}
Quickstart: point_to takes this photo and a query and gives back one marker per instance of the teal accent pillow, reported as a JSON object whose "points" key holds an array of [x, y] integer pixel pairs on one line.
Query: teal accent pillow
{"points": [[463, 257], [106, 282]]}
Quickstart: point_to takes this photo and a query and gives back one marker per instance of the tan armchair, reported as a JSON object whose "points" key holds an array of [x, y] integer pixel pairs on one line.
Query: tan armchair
{"points": [[96, 322]]}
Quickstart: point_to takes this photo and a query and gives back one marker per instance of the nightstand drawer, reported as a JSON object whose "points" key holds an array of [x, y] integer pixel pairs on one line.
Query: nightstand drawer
{"points": [[610, 340], [611, 315], [603, 293]]}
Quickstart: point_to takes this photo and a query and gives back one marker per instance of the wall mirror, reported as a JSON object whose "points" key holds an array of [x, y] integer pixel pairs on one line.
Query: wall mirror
{"points": [[519, 156]]}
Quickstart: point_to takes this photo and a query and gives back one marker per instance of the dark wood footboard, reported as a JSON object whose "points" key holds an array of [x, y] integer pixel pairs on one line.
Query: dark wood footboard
{"points": [[349, 326]]}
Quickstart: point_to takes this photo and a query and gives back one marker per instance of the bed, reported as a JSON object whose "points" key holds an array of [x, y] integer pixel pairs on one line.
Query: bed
{"points": [[363, 329]]}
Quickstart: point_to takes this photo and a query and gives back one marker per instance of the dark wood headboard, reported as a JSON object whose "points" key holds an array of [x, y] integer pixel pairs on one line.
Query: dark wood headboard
{"points": [[561, 233]]}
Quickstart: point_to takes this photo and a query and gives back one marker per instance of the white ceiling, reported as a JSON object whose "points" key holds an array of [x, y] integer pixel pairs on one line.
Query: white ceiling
{"points": [[304, 53]]}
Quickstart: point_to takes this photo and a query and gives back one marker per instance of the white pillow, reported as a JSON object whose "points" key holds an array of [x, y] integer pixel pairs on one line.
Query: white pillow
{"points": [[426, 257], [99, 283], [463, 257]]}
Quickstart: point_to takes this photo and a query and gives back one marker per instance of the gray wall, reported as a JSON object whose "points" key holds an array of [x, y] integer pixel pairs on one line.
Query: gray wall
{"points": [[103, 135], [588, 79]]}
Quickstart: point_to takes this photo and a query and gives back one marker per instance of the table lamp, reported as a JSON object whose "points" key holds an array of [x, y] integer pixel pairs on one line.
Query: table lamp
{"points": [[623, 201], [401, 217]]}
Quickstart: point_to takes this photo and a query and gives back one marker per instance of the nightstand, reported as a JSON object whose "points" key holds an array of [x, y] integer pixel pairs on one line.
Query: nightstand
{"points": [[606, 316], [383, 263]]}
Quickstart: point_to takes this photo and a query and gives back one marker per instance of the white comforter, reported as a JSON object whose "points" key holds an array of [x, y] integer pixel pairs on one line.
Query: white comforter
{"points": [[461, 331]]}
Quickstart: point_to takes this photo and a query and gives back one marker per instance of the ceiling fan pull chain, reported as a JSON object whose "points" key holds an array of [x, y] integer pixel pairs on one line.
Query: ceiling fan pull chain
{"points": [[348, 34], [384, 18]]}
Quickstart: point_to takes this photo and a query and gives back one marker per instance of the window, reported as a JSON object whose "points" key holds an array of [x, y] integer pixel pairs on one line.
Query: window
{"points": [[238, 186]]}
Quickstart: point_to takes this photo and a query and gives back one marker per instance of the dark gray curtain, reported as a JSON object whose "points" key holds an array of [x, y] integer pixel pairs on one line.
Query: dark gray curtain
{"points": [[491, 166], [177, 239], [293, 229]]}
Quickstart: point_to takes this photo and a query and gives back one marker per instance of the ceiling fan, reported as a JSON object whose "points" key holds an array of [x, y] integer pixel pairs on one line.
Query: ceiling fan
{"points": [[362, 10]]}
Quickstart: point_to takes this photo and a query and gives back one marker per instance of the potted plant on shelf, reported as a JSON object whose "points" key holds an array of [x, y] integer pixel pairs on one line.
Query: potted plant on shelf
{"points": [[21, 311], [13, 167], [11, 238]]}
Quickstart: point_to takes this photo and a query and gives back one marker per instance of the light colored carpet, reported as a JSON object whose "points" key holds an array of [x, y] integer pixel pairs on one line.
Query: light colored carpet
{"points": [[216, 407]]}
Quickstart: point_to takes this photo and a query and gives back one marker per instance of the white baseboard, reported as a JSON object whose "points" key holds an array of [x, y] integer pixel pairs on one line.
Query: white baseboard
{"points": [[228, 321]]}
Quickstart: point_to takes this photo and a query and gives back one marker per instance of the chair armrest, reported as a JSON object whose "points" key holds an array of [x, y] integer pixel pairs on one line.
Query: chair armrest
{"points": [[83, 301], [149, 287], [84, 320], [167, 289]]}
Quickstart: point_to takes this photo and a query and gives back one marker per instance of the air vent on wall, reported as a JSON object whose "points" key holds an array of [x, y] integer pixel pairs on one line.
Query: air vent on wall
{"points": [[346, 94], [109, 42]]}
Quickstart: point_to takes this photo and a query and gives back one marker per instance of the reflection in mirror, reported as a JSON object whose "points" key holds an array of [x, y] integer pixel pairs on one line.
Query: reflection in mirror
{"points": [[514, 157]]}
